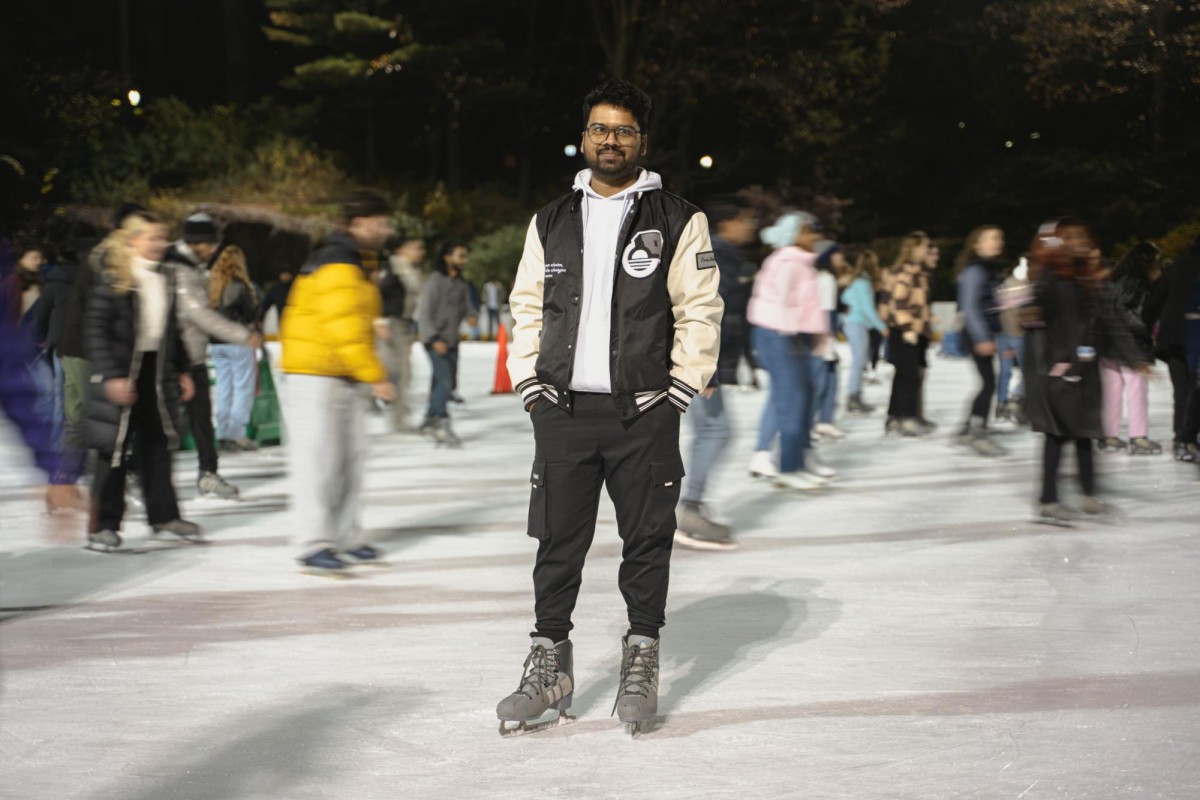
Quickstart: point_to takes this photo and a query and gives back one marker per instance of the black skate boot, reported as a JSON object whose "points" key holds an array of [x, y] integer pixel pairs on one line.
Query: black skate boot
{"points": [[637, 697], [542, 699], [105, 541], [324, 562], [187, 531], [695, 530], [428, 427], [364, 554]]}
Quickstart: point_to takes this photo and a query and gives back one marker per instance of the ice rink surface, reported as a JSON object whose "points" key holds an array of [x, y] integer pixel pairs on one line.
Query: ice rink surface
{"points": [[907, 633]]}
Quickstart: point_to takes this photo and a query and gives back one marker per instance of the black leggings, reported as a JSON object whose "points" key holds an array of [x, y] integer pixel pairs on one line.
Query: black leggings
{"points": [[876, 346], [1187, 399], [986, 366], [1051, 457]]}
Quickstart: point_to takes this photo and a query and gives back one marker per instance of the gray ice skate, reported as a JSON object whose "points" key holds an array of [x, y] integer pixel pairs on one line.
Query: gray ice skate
{"points": [[695, 530], [105, 541], [212, 486], [444, 435], [542, 699], [187, 531], [1141, 446], [1056, 514], [637, 697], [1090, 504], [985, 445]]}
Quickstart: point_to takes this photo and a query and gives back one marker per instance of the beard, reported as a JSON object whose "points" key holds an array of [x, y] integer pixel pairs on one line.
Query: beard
{"points": [[620, 167]]}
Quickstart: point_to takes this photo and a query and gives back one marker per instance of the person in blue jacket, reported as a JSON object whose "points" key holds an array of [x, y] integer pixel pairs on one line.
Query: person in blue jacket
{"points": [[979, 274]]}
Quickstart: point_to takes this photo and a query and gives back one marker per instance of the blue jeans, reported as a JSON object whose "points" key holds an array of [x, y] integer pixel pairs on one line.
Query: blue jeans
{"points": [[1005, 343], [824, 381], [711, 425], [47, 373], [442, 381], [860, 346], [235, 367], [788, 410]]}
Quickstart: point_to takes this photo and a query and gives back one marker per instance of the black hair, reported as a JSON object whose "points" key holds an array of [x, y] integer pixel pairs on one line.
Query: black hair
{"points": [[1137, 263], [623, 94], [446, 249], [364, 203], [394, 243], [724, 208], [825, 260], [124, 210]]}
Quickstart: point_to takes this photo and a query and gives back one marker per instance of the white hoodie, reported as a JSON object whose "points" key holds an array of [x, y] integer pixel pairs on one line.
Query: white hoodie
{"points": [[602, 219]]}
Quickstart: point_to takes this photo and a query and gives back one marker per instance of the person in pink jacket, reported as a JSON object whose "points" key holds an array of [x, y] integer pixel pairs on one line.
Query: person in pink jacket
{"points": [[790, 328]]}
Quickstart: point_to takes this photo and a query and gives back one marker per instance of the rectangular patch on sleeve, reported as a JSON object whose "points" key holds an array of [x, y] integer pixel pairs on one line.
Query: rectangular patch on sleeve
{"points": [[707, 260]]}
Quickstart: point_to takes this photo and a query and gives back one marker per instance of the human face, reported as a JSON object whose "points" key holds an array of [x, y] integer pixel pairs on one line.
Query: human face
{"points": [[1076, 241], [808, 237], [613, 164], [32, 261], [919, 253], [990, 243], [456, 259], [369, 233], [204, 250], [412, 251], [151, 242], [741, 230]]}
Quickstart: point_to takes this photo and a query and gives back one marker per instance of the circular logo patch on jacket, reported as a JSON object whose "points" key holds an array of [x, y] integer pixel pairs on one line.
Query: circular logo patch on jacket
{"points": [[643, 254]]}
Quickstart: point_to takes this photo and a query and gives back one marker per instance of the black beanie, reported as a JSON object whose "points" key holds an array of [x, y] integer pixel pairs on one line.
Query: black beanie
{"points": [[200, 228]]}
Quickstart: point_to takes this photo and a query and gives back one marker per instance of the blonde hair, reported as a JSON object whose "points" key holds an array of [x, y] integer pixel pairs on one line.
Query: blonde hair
{"points": [[230, 267], [909, 243], [119, 253]]}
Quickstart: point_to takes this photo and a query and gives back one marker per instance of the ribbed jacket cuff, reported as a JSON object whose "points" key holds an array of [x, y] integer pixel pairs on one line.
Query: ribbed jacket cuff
{"points": [[680, 394], [529, 389]]}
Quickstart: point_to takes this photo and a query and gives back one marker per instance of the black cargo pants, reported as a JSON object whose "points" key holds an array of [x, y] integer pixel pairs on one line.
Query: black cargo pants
{"points": [[578, 452]]}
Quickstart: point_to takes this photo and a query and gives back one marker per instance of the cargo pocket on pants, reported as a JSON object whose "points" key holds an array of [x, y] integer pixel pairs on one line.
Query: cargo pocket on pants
{"points": [[538, 527], [666, 478]]}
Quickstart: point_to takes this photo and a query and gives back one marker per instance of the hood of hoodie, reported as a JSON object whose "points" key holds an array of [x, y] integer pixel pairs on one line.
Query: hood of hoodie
{"points": [[647, 181]]}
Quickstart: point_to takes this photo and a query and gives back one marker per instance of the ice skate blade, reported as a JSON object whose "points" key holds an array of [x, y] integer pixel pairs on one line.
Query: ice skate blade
{"points": [[1054, 523], [512, 728], [683, 540], [343, 574], [636, 729]]}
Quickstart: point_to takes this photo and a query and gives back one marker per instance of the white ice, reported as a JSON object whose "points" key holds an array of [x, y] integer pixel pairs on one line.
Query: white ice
{"points": [[908, 633]]}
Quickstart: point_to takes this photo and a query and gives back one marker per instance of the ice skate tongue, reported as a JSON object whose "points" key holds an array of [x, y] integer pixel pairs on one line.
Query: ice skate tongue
{"points": [[543, 641], [640, 641]]}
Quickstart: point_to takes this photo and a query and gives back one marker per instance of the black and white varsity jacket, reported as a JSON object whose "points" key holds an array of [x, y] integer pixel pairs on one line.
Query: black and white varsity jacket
{"points": [[665, 329]]}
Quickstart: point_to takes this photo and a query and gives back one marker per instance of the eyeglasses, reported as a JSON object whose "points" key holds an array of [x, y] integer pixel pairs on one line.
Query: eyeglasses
{"points": [[625, 135]]}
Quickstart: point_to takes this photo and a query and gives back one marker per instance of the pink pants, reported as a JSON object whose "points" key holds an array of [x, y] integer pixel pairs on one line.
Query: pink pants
{"points": [[1118, 381]]}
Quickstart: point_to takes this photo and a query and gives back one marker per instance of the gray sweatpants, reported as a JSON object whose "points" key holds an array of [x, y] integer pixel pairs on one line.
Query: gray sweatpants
{"points": [[396, 355], [327, 447]]}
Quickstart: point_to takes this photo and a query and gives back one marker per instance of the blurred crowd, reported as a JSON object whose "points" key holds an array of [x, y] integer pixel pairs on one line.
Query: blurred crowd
{"points": [[120, 346]]}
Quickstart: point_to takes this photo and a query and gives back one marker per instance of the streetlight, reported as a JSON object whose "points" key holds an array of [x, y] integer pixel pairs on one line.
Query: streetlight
{"points": [[706, 162], [570, 151], [135, 97]]}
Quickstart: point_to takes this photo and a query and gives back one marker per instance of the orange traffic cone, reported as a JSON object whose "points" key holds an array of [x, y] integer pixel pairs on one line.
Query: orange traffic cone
{"points": [[502, 383]]}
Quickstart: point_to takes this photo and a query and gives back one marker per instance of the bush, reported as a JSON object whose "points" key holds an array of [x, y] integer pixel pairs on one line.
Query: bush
{"points": [[496, 254]]}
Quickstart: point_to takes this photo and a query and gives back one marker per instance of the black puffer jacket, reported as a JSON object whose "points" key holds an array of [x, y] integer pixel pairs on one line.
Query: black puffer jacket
{"points": [[54, 302], [110, 336], [1062, 387], [1128, 296]]}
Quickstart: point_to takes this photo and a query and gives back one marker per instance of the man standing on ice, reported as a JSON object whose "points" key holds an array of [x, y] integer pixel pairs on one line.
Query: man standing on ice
{"points": [[616, 327]]}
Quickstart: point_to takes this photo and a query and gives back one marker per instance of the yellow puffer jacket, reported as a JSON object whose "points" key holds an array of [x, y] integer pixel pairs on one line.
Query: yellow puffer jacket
{"points": [[327, 326]]}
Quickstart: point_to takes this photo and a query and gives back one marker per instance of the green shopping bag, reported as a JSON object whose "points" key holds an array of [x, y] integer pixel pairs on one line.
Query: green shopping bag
{"points": [[265, 419]]}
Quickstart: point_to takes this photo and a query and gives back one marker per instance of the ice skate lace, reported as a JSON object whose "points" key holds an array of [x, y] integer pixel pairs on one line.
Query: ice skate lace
{"points": [[639, 673], [541, 671]]}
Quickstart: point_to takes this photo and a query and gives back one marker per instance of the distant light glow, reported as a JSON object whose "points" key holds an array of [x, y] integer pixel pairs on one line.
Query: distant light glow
{"points": [[570, 151], [116, 102], [1009, 143], [1035, 135], [962, 125], [706, 162], [135, 97]]}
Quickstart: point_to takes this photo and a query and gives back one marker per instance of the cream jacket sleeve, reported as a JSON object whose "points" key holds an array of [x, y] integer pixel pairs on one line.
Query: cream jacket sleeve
{"points": [[692, 282], [525, 303]]}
